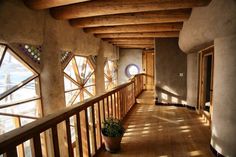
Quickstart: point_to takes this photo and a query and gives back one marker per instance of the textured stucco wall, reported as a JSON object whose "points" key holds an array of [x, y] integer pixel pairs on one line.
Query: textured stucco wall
{"points": [[126, 57], [218, 19], [224, 102], [170, 62], [20, 24], [192, 79]]}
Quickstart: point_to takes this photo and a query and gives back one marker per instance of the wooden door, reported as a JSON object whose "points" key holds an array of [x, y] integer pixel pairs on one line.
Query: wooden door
{"points": [[148, 68], [206, 70]]}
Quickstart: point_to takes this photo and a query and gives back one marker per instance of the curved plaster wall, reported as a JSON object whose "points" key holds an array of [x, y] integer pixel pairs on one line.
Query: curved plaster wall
{"points": [[224, 102], [218, 19]]}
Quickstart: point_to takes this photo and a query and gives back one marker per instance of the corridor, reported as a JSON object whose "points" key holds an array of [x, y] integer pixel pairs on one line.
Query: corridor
{"points": [[163, 131]]}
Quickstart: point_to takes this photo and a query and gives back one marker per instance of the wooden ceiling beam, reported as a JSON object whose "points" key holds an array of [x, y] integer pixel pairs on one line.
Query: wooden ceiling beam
{"points": [[45, 4], [111, 7], [140, 35], [177, 26], [133, 42], [136, 46], [179, 15], [128, 39]]}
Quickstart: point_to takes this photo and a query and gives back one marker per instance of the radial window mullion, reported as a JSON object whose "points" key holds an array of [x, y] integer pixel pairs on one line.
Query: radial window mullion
{"points": [[84, 74], [2, 54], [71, 79], [76, 71], [88, 77]]}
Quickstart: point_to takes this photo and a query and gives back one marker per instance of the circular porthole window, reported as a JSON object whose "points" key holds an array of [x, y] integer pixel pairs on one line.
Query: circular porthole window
{"points": [[131, 69]]}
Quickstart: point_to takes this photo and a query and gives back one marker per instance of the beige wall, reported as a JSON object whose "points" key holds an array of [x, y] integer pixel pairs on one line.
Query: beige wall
{"points": [[20, 24], [192, 79], [126, 57], [224, 92], [170, 62]]}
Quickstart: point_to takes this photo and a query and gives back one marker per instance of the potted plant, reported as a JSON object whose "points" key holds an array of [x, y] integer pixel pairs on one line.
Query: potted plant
{"points": [[112, 133]]}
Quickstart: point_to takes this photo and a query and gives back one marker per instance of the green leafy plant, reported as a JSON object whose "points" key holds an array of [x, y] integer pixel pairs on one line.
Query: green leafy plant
{"points": [[112, 128]]}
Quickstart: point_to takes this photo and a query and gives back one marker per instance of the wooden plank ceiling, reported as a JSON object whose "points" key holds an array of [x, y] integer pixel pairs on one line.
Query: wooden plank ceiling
{"points": [[124, 23]]}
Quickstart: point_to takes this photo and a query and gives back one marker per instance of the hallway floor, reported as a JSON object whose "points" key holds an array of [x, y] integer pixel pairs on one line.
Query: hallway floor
{"points": [[163, 131]]}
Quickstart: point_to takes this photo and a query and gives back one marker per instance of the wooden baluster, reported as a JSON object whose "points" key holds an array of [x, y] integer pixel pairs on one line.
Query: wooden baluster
{"points": [[118, 104], [79, 135], [37, 146], [112, 114], [55, 141], [108, 108], [87, 131], [121, 103], [115, 105], [12, 152], [94, 129], [100, 122], [68, 133], [103, 107]]}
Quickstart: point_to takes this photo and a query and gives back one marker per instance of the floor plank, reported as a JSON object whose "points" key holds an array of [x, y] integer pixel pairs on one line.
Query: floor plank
{"points": [[163, 131]]}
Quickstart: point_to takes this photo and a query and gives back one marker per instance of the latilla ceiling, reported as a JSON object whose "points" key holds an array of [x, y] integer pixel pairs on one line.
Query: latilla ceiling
{"points": [[124, 23]]}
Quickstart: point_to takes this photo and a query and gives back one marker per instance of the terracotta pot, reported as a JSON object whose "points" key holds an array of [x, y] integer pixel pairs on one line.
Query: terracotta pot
{"points": [[112, 144]]}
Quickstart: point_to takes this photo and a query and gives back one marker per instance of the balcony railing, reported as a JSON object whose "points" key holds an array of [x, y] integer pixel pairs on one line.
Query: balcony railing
{"points": [[80, 123]]}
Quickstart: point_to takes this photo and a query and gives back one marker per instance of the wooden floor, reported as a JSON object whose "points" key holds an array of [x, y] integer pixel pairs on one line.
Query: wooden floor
{"points": [[163, 131]]}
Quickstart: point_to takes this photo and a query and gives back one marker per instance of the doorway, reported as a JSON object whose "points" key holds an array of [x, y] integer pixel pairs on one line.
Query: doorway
{"points": [[206, 71], [148, 68]]}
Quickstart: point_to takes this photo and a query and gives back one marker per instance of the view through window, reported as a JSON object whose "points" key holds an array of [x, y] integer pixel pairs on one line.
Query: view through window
{"points": [[110, 74], [79, 80], [20, 101]]}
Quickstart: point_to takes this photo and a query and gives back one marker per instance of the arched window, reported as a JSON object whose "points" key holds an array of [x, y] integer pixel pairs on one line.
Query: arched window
{"points": [[79, 80], [110, 74], [20, 101]]}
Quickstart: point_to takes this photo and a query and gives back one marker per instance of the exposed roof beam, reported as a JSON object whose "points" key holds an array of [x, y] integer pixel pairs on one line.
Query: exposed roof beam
{"points": [[177, 26], [133, 42], [128, 39], [44, 4], [139, 35], [109, 7], [136, 46], [179, 15]]}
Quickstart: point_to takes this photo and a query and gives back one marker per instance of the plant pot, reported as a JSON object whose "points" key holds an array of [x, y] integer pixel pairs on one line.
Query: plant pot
{"points": [[112, 144]]}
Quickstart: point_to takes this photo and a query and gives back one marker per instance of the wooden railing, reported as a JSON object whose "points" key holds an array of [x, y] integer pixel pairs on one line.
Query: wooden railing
{"points": [[84, 118]]}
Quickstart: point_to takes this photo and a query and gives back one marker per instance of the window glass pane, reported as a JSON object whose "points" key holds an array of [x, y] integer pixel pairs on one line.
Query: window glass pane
{"points": [[70, 95], [25, 121], [133, 70], [26, 92], [69, 85], [7, 123], [88, 70], [91, 89], [12, 72], [70, 71], [86, 95], [77, 100], [90, 81], [27, 149], [28, 109], [81, 63], [110, 75]]}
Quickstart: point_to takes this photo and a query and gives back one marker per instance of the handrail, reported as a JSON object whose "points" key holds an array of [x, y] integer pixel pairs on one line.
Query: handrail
{"points": [[118, 102]]}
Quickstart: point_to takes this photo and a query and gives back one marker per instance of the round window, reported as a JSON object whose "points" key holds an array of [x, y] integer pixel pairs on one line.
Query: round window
{"points": [[131, 69]]}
